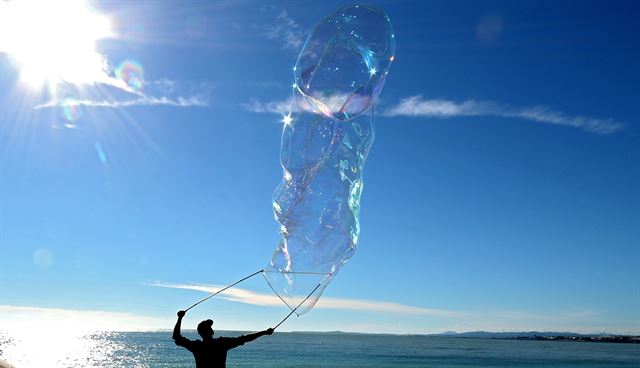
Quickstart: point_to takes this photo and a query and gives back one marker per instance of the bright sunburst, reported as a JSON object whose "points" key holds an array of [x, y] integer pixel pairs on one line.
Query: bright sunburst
{"points": [[53, 41]]}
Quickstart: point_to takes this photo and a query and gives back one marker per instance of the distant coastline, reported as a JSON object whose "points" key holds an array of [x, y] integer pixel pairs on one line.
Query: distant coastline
{"points": [[545, 336], [528, 335]]}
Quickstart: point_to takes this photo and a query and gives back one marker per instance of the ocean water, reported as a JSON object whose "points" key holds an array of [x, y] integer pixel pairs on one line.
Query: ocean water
{"points": [[311, 350]]}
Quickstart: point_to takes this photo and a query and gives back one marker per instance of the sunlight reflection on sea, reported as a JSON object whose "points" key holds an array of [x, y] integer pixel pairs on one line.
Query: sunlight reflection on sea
{"points": [[68, 349]]}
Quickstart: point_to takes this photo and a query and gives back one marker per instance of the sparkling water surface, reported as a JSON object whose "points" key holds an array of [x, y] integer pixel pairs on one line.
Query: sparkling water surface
{"points": [[156, 349]]}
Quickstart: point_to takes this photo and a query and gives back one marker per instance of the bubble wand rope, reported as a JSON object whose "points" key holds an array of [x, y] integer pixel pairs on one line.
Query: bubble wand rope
{"points": [[302, 302], [221, 290]]}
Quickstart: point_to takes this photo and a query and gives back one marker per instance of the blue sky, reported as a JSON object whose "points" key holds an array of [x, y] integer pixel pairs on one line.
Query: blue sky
{"points": [[501, 192]]}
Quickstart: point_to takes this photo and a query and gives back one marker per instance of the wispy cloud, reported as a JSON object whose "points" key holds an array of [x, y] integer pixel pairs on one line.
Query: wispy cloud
{"points": [[284, 107], [417, 106], [287, 30], [262, 299], [193, 101], [271, 107], [325, 105], [113, 93]]}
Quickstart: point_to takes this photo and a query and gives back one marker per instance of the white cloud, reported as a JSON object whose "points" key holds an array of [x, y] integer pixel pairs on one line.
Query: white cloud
{"points": [[323, 104], [193, 101], [419, 107], [272, 107], [384, 307], [115, 93], [287, 30], [270, 300], [416, 106]]}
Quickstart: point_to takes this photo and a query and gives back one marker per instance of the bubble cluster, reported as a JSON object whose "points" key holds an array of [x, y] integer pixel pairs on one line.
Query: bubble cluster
{"points": [[131, 73], [325, 141]]}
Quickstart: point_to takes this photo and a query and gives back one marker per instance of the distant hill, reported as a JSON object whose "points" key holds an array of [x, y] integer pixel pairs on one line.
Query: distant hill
{"points": [[541, 335], [514, 335]]}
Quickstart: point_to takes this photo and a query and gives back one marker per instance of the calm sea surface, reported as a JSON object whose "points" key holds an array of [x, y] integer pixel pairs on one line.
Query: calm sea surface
{"points": [[156, 349]]}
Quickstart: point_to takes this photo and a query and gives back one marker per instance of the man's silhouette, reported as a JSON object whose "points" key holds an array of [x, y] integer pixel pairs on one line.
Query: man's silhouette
{"points": [[210, 352]]}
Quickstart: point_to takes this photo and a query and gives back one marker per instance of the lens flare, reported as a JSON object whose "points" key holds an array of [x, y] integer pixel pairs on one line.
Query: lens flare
{"points": [[70, 109], [101, 154], [131, 73]]}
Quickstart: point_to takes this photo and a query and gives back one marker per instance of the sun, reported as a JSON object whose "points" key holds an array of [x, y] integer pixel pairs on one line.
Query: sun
{"points": [[54, 41]]}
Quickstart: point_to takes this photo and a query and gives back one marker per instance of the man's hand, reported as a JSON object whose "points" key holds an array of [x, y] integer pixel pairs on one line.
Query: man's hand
{"points": [[269, 331], [181, 314]]}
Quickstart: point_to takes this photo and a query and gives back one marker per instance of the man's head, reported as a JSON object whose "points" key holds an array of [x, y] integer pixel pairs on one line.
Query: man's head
{"points": [[204, 328]]}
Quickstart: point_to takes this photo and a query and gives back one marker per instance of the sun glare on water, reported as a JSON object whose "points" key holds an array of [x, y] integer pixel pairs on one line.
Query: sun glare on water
{"points": [[53, 41], [56, 346], [34, 337]]}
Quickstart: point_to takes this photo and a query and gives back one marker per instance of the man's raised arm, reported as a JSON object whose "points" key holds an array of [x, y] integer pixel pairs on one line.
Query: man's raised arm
{"points": [[176, 329]]}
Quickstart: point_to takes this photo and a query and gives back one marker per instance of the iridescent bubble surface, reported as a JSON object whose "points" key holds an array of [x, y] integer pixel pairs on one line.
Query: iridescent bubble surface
{"points": [[339, 74], [345, 61], [131, 73]]}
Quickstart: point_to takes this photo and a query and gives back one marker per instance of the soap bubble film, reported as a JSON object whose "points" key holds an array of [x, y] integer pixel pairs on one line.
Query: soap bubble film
{"points": [[345, 61], [325, 142]]}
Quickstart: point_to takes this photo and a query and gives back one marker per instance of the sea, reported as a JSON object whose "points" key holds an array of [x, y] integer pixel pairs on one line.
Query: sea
{"points": [[314, 350]]}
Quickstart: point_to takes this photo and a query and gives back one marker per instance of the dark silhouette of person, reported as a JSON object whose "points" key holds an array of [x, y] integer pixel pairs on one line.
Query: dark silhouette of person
{"points": [[210, 352]]}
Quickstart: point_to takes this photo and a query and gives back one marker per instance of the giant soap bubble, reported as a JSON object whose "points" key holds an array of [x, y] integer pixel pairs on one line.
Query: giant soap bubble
{"points": [[325, 141]]}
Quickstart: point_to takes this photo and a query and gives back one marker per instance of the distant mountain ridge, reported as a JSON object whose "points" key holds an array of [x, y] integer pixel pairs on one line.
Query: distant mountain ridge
{"points": [[516, 334], [545, 335]]}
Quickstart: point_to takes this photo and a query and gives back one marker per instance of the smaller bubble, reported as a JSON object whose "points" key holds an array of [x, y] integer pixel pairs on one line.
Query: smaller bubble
{"points": [[196, 26], [131, 73], [43, 258], [489, 28]]}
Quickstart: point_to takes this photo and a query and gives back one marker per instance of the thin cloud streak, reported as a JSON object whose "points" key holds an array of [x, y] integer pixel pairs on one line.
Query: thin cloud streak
{"points": [[291, 105], [287, 30], [270, 300], [417, 106], [272, 107], [194, 101], [114, 93]]}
